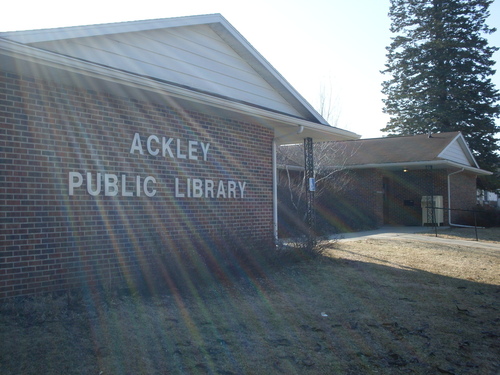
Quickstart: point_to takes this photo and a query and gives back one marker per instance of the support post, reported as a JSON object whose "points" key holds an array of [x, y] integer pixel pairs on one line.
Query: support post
{"points": [[310, 189], [431, 214]]}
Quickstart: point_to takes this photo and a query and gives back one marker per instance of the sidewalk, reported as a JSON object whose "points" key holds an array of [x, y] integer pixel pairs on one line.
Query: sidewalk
{"points": [[414, 234]]}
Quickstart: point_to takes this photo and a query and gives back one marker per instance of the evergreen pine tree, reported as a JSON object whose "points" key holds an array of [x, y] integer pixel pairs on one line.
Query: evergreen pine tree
{"points": [[440, 66]]}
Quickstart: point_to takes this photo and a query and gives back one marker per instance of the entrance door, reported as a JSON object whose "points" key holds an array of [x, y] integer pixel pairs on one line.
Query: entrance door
{"points": [[401, 205]]}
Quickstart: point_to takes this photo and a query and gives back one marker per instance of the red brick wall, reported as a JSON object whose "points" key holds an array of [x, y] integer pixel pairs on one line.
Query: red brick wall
{"points": [[414, 184], [405, 191], [371, 197], [399, 202], [357, 203], [463, 197], [51, 240], [347, 201]]}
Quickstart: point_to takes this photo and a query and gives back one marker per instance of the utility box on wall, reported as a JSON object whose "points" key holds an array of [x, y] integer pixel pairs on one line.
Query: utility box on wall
{"points": [[432, 209]]}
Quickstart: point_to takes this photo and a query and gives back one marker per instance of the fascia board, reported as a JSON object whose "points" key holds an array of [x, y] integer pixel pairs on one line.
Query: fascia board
{"points": [[37, 56], [45, 35], [468, 151], [318, 132], [417, 164], [238, 42]]}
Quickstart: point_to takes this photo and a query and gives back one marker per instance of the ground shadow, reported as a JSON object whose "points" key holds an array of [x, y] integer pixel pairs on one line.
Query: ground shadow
{"points": [[316, 317]]}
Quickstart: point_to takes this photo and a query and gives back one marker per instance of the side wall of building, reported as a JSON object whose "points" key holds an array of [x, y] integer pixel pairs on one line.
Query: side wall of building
{"points": [[352, 200], [406, 191], [94, 188], [403, 192], [463, 197], [344, 202], [360, 199]]}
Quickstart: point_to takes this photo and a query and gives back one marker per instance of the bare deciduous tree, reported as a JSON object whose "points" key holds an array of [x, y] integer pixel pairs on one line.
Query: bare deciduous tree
{"points": [[330, 172], [330, 160], [329, 106]]}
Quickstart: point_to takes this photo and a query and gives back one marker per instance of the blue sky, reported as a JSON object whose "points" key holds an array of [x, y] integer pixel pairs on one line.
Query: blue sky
{"points": [[335, 44]]}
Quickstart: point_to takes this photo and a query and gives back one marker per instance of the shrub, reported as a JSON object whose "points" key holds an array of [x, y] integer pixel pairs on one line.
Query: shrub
{"points": [[225, 259], [487, 216]]}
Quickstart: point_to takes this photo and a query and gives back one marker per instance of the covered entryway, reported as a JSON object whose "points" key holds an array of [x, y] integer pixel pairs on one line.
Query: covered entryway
{"points": [[401, 206]]}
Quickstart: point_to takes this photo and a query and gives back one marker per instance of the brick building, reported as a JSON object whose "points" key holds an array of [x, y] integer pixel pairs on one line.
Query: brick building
{"points": [[385, 180], [123, 142]]}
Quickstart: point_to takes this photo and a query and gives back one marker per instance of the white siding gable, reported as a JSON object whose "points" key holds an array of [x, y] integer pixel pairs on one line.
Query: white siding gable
{"points": [[458, 152], [455, 153], [193, 56]]}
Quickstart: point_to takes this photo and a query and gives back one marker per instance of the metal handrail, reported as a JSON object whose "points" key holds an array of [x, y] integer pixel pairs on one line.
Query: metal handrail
{"points": [[455, 209]]}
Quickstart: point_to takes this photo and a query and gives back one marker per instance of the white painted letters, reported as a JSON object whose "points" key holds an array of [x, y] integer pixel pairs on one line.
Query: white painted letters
{"points": [[242, 187], [204, 188], [221, 190], [231, 189], [152, 192], [179, 154], [178, 194], [197, 188], [183, 149], [204, 148], [97, 191], [152, 151], [125, 193], [136, 144], [111, 185], [192, 150], [75, 181], [166, 147], [209, 189]]}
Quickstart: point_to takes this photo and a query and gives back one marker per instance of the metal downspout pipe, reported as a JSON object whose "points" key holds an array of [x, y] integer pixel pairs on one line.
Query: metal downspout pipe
{"points": [[275, 180]]}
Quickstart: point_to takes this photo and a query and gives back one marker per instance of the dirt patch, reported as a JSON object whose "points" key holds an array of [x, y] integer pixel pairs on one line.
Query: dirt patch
{"points": [[367, 307]]}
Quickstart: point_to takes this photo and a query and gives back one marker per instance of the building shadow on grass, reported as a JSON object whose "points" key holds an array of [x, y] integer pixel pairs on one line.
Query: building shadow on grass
{"points": [[318, 316]]}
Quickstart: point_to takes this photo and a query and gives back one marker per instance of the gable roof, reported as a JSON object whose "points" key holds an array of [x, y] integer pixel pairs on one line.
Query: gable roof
{"points": [[414, 148], [408, 152], [204, 55]]}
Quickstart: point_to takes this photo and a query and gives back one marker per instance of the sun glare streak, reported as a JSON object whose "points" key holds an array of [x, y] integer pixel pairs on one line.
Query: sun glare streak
{"points": [[72, 133]]}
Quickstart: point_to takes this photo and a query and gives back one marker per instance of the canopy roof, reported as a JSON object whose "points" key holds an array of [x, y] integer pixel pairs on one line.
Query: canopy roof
{"points": [[443, 150]]}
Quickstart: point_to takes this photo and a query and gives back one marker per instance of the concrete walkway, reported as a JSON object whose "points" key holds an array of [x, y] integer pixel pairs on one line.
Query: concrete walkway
{"points": [[413, 234]]}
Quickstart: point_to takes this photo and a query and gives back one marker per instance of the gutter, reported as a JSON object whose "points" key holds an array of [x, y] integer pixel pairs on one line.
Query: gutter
{"points": [[275, 180], [417, 164]]}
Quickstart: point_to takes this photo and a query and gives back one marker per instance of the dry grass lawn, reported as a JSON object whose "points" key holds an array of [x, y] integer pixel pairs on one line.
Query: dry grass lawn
{"points": [[489, 235], [365, 307]]}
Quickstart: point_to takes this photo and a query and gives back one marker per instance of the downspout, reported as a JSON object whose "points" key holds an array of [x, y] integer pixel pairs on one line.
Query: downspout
{"points": [[275, 180], [449, 201]]}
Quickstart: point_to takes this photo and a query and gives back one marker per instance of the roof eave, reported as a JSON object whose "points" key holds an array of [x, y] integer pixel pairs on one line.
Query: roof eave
{"points": [[240, 44], [60, 33], [419, 165], [218, 24], [278, 121]]}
